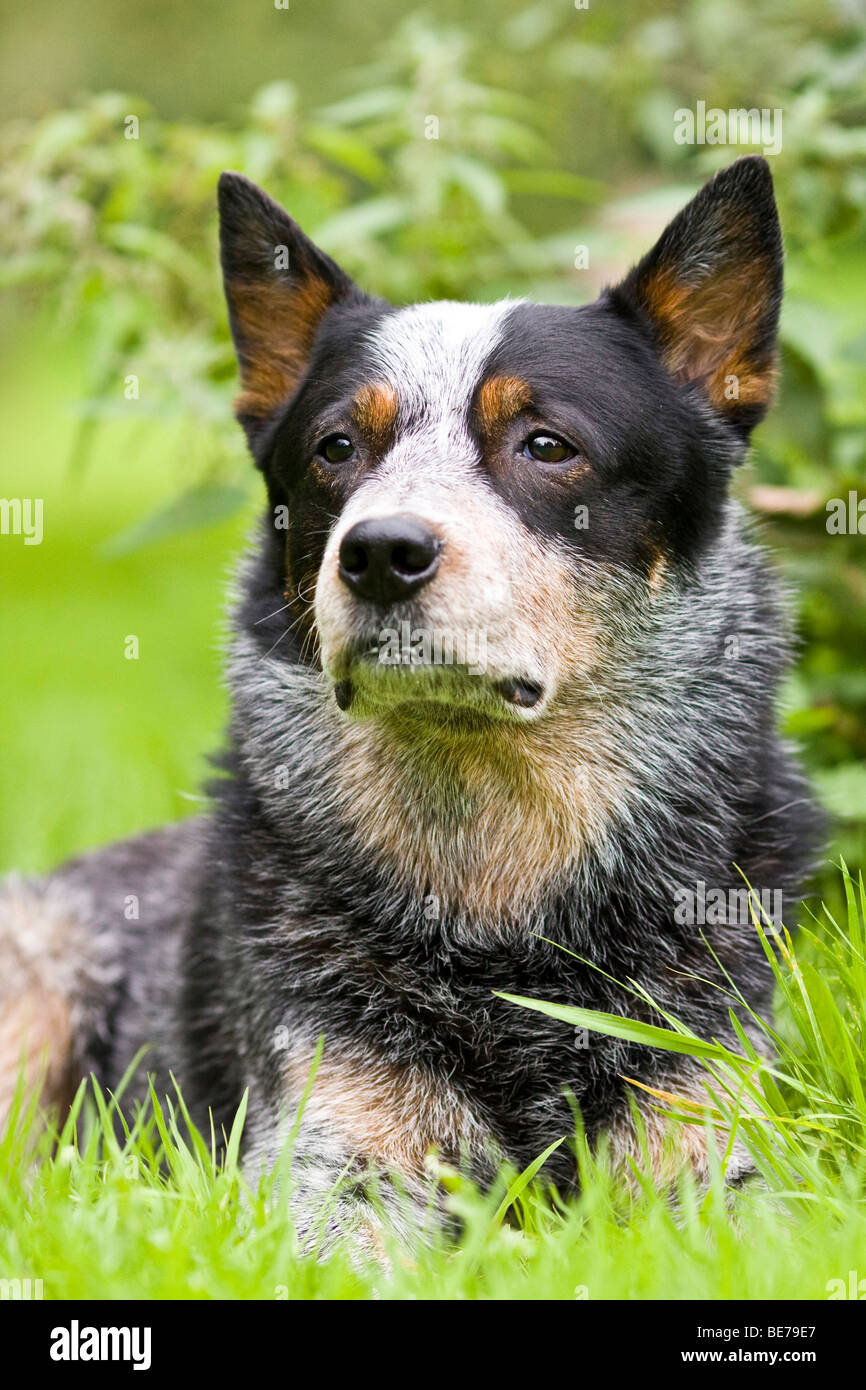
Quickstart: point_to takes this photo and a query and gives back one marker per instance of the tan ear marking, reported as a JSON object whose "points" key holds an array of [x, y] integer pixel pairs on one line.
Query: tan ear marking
{"points": [[711, 288], [275, 322], [705, 332]]}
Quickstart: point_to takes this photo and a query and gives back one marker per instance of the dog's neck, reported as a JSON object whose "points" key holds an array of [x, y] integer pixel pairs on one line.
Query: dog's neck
{"points": [[479, 820]]}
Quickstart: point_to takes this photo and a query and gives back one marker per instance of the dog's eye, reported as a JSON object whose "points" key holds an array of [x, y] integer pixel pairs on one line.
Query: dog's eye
{"points": [[547, 448], [336, 448]]}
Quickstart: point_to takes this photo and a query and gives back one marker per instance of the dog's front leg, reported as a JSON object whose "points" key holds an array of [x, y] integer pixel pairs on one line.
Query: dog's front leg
{"points": [[357, 1137], [372, 1210]]}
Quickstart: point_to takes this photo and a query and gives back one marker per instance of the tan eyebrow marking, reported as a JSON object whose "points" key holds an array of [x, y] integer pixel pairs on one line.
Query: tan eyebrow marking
{"points": [[375, 412], [500, 399]]}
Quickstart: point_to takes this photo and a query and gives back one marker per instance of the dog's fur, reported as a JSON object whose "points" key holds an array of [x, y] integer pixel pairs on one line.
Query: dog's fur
{"points": [[390, 844]]}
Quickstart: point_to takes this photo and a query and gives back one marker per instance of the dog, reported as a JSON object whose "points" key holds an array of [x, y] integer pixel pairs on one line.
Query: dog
{"points": [[504, 660]]}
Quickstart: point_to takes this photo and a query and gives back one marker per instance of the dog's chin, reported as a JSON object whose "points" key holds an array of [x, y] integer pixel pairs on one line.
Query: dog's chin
{"points": [[364, 688]]}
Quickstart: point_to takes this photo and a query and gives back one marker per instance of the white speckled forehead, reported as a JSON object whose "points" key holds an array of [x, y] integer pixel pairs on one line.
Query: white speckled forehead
{"points": [[434, 355]]}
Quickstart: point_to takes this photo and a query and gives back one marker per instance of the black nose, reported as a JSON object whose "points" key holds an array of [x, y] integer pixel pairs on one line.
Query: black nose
{"points": [[388, 558]]}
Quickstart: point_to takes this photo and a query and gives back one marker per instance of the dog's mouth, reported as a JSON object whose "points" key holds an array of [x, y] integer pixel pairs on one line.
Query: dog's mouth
{"points": [[524, 693], [363, 686]]}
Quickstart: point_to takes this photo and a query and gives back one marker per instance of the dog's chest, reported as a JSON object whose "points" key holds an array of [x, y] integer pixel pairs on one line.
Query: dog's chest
{"points": [[420, 1051]]}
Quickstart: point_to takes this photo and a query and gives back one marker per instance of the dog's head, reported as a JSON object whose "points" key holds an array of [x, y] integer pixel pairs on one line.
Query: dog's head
{"points": [[455, 487]]}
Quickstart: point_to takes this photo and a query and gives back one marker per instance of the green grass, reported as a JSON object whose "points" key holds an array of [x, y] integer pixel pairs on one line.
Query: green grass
{"points": [[94, 1228], [97, 747]]}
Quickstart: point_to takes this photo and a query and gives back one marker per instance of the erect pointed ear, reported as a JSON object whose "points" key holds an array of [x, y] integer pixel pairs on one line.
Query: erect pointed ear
{"points": [[711, 288], [278, 286]]}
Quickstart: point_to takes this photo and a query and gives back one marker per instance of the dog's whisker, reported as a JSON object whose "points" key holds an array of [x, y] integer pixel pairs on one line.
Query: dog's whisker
{"points": [[275, 614]]}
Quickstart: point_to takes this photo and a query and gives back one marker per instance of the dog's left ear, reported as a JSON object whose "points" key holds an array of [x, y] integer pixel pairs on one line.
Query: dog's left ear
{"points": [[278, 287], [711, 288]]}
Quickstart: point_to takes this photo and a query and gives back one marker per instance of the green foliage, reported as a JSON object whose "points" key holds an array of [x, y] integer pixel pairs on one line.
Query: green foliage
{"points": [[114, 222]]}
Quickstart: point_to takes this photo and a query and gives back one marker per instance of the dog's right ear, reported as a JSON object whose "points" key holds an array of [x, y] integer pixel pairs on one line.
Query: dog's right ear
{"points": [[278, 287], [710, 291]]}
